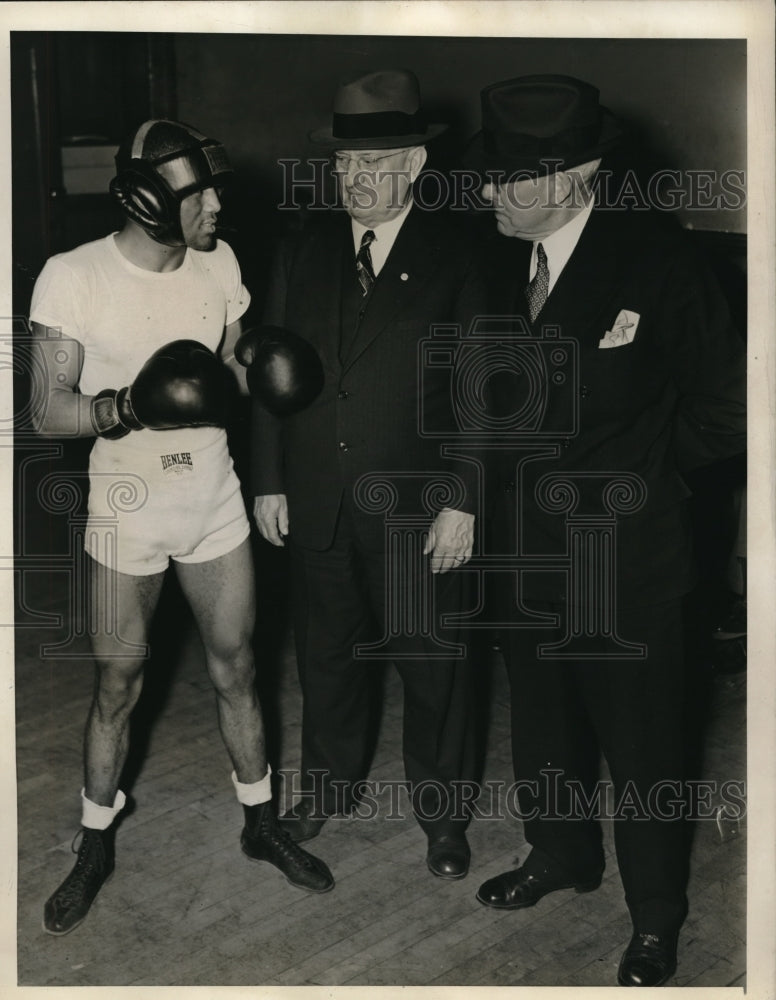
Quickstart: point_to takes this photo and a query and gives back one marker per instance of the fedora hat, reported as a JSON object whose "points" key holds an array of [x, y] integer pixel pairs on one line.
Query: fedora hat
{"points": [[380, 110], [539, 124]]}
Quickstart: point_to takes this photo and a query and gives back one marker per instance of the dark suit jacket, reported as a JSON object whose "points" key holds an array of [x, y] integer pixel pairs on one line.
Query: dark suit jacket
{"points": [[367, 418], [671, 400]]}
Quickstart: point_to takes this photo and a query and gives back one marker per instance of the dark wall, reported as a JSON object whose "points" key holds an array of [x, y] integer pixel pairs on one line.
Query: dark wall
{"points": [[261, 94], [684, 100], [69, 90]]}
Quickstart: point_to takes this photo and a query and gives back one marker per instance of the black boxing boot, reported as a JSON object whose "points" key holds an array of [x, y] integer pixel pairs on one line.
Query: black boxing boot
{"points": [[263, 840], [68, 907]]}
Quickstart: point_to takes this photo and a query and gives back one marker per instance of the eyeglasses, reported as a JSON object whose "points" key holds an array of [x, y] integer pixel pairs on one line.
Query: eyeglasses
{"points": [[367, 161]]}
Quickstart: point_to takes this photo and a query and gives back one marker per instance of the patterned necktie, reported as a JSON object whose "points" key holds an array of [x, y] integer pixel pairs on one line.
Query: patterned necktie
{"points": [[366, 275], [537, 291]]}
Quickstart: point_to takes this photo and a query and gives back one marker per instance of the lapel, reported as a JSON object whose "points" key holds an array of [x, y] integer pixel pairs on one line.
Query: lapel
{"points": [[508, 265], [319, 285], [410, 263], [586, 292]]}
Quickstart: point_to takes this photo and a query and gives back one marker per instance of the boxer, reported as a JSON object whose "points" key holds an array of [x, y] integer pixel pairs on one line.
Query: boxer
{"points": [[150, 309]]}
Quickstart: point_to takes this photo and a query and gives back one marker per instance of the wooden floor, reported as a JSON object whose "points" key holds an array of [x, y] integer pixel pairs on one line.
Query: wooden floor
{"points": [[185, 907]]}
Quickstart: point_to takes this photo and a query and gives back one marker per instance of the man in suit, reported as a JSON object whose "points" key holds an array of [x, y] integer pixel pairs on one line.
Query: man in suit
{"points": [[365, 287], [657, 390]]}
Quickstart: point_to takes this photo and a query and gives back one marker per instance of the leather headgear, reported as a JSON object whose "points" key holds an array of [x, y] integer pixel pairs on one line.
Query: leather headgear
{"points": [[158, 166]]}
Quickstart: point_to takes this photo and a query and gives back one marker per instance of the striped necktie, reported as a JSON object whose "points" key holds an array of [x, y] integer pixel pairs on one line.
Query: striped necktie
{"points": [[364, 270], [537, 290]]}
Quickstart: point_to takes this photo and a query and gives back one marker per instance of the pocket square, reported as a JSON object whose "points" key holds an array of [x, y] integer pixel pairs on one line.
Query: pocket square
{"points": [[623, 331]]}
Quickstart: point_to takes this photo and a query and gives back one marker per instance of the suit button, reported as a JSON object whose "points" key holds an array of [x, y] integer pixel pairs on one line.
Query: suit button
{"points": [[584, 390], [566, 443], [343, 446], [509, 487], [343, 394]]}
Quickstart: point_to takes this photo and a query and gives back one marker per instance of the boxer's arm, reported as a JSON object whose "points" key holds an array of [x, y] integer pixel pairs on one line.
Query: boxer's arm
{"points": [[232, 334], [58, 410]]}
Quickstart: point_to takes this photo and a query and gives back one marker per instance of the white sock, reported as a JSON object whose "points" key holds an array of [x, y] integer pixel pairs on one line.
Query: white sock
{"points": [[255, 792], [100, 817]]}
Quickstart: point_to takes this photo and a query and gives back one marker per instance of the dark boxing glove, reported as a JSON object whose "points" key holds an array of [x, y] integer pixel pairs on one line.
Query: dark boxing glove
{"points": [[284, 373], [181, 385]]}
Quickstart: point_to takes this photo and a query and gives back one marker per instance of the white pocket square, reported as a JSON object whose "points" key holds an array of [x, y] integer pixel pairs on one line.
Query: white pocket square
{"points": [[623, 331]]}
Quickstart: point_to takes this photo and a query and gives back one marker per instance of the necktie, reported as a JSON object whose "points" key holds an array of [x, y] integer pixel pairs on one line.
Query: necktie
{"points": [[537, 290], [366, 275]]}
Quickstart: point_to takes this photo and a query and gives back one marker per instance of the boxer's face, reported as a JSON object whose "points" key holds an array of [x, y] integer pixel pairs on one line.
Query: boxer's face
{"points": [[199, 212], [375, 184]]}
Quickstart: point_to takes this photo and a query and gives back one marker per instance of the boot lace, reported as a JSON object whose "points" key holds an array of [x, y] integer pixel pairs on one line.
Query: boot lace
{"points": [[91, 860], [287, 847]]}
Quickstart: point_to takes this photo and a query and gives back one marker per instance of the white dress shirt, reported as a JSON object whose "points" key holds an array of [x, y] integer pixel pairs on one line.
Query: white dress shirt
{"points": [[560, 245], [385, 237]]}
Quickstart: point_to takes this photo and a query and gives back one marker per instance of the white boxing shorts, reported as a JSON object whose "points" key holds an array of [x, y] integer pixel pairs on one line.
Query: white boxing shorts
{"points": [[173, 495]]}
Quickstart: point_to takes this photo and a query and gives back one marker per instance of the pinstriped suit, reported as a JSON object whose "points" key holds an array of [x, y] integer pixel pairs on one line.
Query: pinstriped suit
{"points": [[670, 400], [366, 421]]}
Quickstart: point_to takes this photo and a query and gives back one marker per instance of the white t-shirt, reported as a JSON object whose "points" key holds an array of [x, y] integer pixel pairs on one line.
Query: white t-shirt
{"points": [[121, 314]]}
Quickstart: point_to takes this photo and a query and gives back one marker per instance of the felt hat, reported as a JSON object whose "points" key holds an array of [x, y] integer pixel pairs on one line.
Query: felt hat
{"points": [[380, 110], [536, 125]]}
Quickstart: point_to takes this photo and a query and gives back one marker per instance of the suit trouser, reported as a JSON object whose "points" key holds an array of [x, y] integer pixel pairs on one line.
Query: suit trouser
{"points": [[562, 713], [340, 602]]}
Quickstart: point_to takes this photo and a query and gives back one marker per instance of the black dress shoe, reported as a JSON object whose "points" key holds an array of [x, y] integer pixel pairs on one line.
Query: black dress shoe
{"points": [[517, 889], [448, 856], [303, 822], [649, 960]]}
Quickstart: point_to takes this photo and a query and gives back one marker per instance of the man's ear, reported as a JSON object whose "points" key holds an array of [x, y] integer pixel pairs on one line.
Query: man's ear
{"points": [[415, 161], [581, 181], [562, 187]]}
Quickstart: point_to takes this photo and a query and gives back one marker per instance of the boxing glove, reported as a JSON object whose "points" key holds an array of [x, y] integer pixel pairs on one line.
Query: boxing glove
{"points": [[181, 385], [284, 373]]}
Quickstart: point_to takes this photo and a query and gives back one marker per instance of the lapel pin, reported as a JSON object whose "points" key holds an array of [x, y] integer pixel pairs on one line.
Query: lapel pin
{"points": [[404, 276]]}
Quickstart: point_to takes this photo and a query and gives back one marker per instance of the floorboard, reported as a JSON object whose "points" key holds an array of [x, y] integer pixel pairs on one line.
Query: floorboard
{"points": [[185, 907]]}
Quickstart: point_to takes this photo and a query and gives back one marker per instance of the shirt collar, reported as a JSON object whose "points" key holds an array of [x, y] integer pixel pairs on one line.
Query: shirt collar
{"points": [[560, 245], [385, 233]]}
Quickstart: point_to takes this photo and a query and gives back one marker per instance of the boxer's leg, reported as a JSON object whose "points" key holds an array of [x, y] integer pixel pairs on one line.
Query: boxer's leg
{"points": [[122, 607], [222, 596], [221, 593]]}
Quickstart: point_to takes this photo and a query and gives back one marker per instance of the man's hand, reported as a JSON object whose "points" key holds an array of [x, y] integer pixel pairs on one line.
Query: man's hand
{"points": [[271, 515], [450, 540]]}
